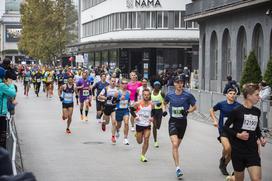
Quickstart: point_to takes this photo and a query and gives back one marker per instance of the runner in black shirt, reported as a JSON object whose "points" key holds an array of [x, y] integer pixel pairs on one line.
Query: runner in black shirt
{"points": [[244, 135]]}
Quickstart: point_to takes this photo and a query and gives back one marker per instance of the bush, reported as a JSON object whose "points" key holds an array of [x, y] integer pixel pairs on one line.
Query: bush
{"points": [[252, 71], [268, 73]]}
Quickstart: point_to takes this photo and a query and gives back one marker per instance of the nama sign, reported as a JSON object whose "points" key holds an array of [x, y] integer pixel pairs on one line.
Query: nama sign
{"points": [[143, 3]]}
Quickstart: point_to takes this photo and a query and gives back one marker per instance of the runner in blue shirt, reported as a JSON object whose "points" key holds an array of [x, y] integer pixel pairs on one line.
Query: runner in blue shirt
{"points": [[225, 107], [180, 104]]}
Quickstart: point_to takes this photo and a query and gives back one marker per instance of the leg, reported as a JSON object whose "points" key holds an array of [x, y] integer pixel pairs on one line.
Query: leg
{"points": [[81, 109], [155, 129], [126, 126], [70, 114], [64, 113], [114, 124], [175, 145], [255, 173], [146, 141], [139, 137], [239, 176], [226, 149], [132, 122]]}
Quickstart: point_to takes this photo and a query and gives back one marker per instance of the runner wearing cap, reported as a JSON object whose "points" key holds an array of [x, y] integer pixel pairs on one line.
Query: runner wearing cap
{"points": [[157, 98], [181, 103]]}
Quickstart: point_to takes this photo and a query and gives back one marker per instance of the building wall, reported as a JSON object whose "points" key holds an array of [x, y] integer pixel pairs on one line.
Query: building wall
{"points": [[232, 22]]}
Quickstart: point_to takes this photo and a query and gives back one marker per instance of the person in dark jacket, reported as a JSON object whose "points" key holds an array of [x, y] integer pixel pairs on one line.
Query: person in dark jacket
{"points": [[231, 84]]}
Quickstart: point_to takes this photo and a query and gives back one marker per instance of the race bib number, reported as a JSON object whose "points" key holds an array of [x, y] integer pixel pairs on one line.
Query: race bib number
{"points": [[65, 81], [38, 80], [177, 112], [123, 104], [86, 93], [68, 97], [250, 122], [26, 79]]}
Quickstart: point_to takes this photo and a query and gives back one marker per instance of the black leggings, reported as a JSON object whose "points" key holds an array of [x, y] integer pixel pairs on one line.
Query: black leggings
{"points": [[3, 131]]}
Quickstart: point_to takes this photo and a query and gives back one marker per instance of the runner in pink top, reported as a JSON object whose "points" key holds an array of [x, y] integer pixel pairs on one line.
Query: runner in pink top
{"points": [[132, 86]]}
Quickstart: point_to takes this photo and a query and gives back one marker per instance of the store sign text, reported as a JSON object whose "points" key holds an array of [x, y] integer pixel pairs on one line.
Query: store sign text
{"points": [[147, 3]]}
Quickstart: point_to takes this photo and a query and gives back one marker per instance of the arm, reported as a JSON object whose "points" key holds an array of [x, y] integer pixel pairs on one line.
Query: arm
{"points": [[212, 114], [8, 90], [101, 95], [228, 123]]}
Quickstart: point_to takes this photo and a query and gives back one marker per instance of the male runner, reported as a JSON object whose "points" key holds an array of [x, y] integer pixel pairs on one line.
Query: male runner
{"points": [[181, 104], [85, 95], [66, 94], [245, 133], [38, 78], [99, 86], [143, 121], [26, 78], [109, 95], [122, 110]]}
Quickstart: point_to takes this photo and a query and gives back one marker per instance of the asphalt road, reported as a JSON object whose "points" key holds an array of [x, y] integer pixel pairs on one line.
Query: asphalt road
{"points": [[87, 154]]}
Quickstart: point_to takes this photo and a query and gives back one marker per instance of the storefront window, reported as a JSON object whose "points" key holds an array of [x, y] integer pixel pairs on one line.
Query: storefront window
{"points": [[97, 58], [165, 19], [177, 14], [105, 59], [159, 19]]}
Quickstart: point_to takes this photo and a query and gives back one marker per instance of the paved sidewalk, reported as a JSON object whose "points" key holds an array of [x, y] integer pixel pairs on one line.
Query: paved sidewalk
{"points": [[88, 154]]}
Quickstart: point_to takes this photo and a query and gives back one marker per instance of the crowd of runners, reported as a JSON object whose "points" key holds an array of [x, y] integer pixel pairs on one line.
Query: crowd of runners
{"points": [[140, 105]]}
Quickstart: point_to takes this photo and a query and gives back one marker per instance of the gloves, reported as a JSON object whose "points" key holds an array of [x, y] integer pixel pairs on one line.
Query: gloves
{"points": [[61, 99], [164, 114]]}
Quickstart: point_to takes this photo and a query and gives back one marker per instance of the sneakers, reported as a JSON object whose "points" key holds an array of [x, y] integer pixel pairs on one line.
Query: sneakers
{"points": [[143, 159], [132, 129], [126, 142], [156, 144], [81, 117], [223, 167], [86, 118], [103, 127], [179, 173], [113, 140], [68, 131]]}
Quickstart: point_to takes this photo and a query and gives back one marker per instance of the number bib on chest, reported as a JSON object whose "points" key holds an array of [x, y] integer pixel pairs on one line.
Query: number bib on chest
{"points": [[123, 104], [68, 97], [86, 93], [65, 81], [250, 122], [26, 79], [38, 80], [177, 112]]}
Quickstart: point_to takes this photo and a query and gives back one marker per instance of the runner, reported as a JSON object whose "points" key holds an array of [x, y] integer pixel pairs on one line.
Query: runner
{"points": [[49, 82], [109, 95], [122, 111], [133, 85], [157, 97], [66, 93], [99, 86], [85, 95], [139, 93], [181, 103], [60, 77], [26, 78], [143, 121], [38, 78], [225, 107], [245, 133]]}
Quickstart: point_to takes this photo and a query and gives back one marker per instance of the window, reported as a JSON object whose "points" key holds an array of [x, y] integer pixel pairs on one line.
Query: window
{"points": [[153, 19], [165, 19], [182, 22], [134, 20], [118, 25], [177, 17], [147, 20], [139, 20], [189, 24], [159, 19]]}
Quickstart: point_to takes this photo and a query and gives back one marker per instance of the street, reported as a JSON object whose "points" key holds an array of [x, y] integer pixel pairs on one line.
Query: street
{"points": [[87, 154]]}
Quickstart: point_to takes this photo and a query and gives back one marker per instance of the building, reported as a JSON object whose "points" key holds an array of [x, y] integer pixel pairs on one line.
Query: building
{"points": [[147, 35], [229, 30], [10, 29]]}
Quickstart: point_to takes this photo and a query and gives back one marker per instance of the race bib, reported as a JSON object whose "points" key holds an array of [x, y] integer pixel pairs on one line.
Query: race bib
{"points": [[250, 122], [123, 104], [26, 79], [68, 97], [38, 80], [177, 112], [86, 93], [65, 81]]}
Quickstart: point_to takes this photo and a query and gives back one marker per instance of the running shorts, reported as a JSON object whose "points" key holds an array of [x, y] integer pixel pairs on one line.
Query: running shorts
{"points": [[120, 113], [157, 117], [108, 109], [67, 105], [142, 128], [242, 161], [177, 127], [99, 105]]}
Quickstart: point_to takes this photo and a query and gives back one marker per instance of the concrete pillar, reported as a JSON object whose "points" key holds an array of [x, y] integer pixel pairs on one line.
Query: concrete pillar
{"points": [[219, 58], [207, 60], [233, 52]]}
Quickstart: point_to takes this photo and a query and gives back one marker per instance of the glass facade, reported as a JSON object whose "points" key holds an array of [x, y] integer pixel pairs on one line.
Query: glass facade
{"points": [[13, 5], [137, 20], [86, 4]]}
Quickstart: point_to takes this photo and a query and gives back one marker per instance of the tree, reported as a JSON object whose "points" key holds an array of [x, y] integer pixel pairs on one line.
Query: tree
{"points": [[46, 28], [268, 73], [251, 72]]}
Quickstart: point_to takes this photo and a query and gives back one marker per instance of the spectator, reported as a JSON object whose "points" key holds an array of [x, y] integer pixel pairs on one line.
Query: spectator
{"points": [[265, 93], [231, 84], [7, 90]]}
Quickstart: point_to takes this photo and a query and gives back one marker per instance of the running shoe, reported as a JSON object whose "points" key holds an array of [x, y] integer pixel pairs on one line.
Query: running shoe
{"points": [[179, 173], [126, 142], [103, 126], [86, 118], [81, 117], [156, 144], [143, 159], [132, 129], [223, 167], [113, 140], [229, 178], [68, 131]]}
